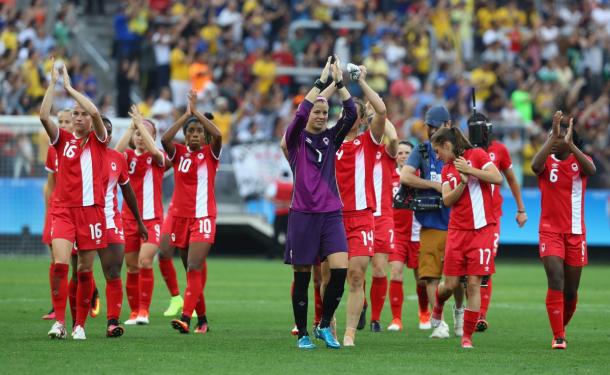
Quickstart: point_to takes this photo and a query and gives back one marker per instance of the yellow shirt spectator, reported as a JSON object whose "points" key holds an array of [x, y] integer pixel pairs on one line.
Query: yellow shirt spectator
{"points": [[145, 109], [377, 71], [264, 70], [9, 39], [440, 22], [32, 77], [224, 121], [249, 6], [210, 33], [178, 66], [178, 9], [482, 80]]}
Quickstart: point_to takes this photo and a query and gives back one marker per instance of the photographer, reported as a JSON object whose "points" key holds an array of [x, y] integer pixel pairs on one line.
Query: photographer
{"points": [[434, 218]]}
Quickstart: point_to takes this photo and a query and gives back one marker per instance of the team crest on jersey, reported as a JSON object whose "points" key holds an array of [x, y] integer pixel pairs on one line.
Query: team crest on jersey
{"points": [[325, 140], [113, 166], [200, 156], [492, 156], [575, 167], [149, 160], [542, 247], [308, 140], [357, 142]]}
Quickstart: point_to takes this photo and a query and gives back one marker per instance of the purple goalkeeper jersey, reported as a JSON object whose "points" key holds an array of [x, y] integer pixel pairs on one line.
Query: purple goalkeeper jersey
{"points": [[312, 160]]}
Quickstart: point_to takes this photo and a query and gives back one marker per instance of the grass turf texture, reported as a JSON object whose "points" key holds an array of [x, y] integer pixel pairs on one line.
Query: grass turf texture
{"points": [[250, 316]]}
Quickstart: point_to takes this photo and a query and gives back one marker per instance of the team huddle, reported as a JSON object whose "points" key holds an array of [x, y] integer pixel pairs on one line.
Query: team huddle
{"points": [[83, 213], [361, 196]]}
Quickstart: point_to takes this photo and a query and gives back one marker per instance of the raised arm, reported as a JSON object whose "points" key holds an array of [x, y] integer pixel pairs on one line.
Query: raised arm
{"points": [[379, 120], [511, 179], [208, 125], [47, 104], [149, 142], [540, 158], [87, 105], [587, 165], [130, 198], [123, 143], [391, 137]]}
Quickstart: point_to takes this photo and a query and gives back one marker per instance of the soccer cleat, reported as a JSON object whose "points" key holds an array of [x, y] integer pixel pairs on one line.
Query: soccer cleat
{"points": [[202, 328], [395, 326], [50, 315], [114, 330], [481, 325], [559, 343], [180, 326], [132, 319], [58, 331], [78, 333], [295, 331], [441, 331], [362, 320], [305, 343], [142, 318], [458, 321], [434, 323], [175, 306], [316, 332], [375, 326], [95, 304], [424, 320], [467, 343], [326, 334]]}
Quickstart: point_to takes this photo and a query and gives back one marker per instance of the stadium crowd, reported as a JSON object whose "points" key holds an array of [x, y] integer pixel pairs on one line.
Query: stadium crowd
{"points": [[523, 62]]}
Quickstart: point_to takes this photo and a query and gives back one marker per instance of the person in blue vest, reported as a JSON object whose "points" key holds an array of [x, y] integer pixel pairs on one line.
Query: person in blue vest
{"points": [[422, 172]]}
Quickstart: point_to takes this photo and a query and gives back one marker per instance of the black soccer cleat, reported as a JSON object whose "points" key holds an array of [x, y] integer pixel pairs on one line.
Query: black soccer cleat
{"points": [[375, 326], [362, 321]]}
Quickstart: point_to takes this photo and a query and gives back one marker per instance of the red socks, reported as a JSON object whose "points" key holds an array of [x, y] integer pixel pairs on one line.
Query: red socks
{"points": [[568, 309], [133, 291], [59, 290], [318, 305], [193, 291], [72, 286], [166, 265], [147, 282], [554, 307], [396, 299], [422, 298], [470, 321], [485, 298], [200, 307], [84, 291], [437, 311], [114, 298], [379, 289]]}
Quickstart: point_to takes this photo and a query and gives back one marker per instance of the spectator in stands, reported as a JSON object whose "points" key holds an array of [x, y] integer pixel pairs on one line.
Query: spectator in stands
{"points": [[127, 73], [223, 119], [24, 156], [179, 73], [161, 40], [378, 70]]}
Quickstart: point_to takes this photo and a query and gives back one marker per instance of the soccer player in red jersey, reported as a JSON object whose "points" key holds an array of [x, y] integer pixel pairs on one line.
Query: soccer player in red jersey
{"points": [[563, 170], [112, 257], [385, 165], [78, 205], [480, 136], [467, 177], [355, 161], [406, 252], [146, 166], [194, 203]]}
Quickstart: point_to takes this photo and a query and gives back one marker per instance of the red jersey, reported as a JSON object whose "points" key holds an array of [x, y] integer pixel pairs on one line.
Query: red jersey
{"points": [[82, 171], [354, 171], [382, 180], [146, 177], [281, 194], [194, 176], [562, 186], [117, 174], [474, 209], [498, 153], [406, 225]]}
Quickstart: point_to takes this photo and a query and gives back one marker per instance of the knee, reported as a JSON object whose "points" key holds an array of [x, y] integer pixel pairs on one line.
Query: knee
{"points": [[145, 263], [473, 289], [379, 270], [193, 265], [113, 271], [132, 268], [451, 284], [555, 280], [356, 279], [396, 274]]}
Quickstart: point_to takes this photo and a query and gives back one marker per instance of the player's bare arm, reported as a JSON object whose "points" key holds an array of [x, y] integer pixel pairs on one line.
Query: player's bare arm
{"points": [[149, 142], [512, 182], [391, 138], [87, 105], [488, 174], [587, 165], [208, 125], [540, 158], [167, 141], [130, 198], [379, 118], [452, 195], [47, 104], [409, 178]]}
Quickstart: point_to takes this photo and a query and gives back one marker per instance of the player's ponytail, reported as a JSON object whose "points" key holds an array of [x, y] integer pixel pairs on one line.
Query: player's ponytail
{"points": [[455, 137]]}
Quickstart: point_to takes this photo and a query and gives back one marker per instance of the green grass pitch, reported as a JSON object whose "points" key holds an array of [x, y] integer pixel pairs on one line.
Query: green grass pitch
{"points": [[250, 317]]}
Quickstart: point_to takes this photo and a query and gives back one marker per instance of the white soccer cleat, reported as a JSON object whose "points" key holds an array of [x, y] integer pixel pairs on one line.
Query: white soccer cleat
{"points": [[58, 331], [132, 319], [435, 323], [142, 320], [458, 321], [425, 325], [79, 333], [441, 331]]}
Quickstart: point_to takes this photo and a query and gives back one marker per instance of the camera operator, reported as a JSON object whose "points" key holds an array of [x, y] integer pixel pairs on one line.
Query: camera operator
{"points": [[434, 218]]}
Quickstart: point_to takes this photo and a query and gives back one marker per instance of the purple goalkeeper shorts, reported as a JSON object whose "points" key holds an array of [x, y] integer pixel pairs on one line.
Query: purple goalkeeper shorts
{"points": [[313, 236]]}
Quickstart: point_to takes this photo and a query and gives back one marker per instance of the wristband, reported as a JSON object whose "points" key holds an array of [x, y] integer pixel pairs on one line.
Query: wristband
{"points": [[520, 212], [339, 84], [319, 84]]}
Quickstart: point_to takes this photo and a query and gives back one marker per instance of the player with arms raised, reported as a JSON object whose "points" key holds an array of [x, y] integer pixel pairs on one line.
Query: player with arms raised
{"points": [[563, 170]]}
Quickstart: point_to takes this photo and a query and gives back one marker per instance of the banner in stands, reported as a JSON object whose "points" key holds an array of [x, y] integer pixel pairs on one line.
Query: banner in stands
{"points": [[257, 165]]}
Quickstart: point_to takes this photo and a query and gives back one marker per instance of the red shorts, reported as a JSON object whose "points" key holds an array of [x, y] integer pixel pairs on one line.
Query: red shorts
{"points": [[572, 248], [384, 235], [115, 236], [168, 223], [406, 252], [469, 252], [360, 232], [496, 237], [46, 231], [187, 230], [133, 241], [84, 226]]}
